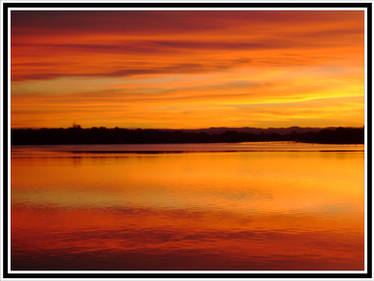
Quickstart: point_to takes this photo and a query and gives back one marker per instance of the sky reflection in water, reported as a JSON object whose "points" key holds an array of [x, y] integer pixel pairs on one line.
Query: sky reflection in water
{"points": [[243, 210]]}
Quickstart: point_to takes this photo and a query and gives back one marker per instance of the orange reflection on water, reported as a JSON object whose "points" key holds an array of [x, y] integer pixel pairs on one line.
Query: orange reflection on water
{"points": [[206, 210]]}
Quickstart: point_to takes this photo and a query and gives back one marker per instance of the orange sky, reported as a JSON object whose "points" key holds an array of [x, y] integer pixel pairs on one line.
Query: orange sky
{"points": [[187, 69]]}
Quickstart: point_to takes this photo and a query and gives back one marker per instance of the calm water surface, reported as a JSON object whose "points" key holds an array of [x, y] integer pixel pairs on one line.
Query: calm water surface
{"points": [[247, 206]]}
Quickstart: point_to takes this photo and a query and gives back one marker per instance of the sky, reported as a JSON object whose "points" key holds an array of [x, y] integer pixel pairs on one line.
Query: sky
{"points": [[187, 69]]}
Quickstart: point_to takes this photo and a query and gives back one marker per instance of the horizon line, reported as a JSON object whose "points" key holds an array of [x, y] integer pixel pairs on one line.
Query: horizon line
{"points": [[201, 128]]}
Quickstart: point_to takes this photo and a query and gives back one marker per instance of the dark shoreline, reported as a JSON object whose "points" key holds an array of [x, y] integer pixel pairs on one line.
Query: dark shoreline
{"points": [[78, 135]]}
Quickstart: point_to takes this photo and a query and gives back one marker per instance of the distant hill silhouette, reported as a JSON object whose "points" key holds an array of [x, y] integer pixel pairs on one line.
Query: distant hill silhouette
{"points": [[102, 135]]}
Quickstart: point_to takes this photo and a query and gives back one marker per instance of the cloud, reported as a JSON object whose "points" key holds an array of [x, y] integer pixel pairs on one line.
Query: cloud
{"points": [[161, 22], [211, 66]]}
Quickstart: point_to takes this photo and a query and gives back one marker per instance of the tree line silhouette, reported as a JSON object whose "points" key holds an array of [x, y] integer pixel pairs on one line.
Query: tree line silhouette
{"points": [[102, 135]]}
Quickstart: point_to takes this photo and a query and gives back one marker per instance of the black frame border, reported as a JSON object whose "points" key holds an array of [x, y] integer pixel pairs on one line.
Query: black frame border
{"points": [[365, 5]]}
